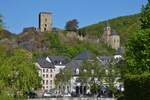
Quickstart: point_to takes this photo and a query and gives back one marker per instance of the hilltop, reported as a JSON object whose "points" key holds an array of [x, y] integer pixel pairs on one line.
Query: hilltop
{"points": [[125, 26], [60, 42]]}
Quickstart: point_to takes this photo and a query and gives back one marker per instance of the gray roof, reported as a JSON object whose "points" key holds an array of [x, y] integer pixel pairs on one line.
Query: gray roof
{"points": [[105, 59], [114, 33], [77, 61], [44, 63], [74, 64], [58, 60], [83, 55], [120, 51]]}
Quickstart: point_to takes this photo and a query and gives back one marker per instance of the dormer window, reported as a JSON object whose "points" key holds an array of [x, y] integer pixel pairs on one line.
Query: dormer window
{"points": [[77, 71]]}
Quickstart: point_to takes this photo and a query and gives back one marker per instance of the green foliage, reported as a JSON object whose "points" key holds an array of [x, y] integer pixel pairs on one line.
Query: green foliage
{"points": [[63, 76], [138, 47], [104, 74], [4, 96], [111, 74], [89, 71], [57, 46], [53, 40], [94, 88], [124, 26], [138, 52], [17, 72], [1, 23], [137, 87], [137, 80], [145, 16]]}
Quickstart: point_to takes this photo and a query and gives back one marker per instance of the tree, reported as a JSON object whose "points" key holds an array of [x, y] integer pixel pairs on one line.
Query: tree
{"points": [[18, 74], [96, 75], [62, 78], [138, 60], [145, 16], [1, 23], [91, 73], [138, 52], [72, 25], [138, 47]]}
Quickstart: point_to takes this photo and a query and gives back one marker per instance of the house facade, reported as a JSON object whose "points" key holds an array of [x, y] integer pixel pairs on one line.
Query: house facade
{"points": [[47, 73], [48, 67]]}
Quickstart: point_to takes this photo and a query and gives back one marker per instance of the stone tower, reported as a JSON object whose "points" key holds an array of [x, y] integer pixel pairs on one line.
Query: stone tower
{"points": [[107, 32], [114, 40], [111, 37], [45, 21]]}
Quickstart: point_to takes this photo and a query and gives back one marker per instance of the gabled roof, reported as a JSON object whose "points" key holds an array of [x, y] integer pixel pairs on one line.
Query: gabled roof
{"points": [[83, 55], [104, 59], [58, 60], [44, 63], [74, 64]]}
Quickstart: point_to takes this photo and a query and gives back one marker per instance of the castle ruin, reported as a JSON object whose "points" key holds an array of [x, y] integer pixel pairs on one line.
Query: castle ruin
{"points": [[45, 22]]}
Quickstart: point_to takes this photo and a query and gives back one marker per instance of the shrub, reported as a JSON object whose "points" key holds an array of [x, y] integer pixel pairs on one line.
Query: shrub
{"points": [[137, 87]]}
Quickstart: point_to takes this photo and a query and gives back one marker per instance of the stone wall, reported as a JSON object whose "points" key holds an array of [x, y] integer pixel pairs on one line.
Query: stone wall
{"points": [[78, 98]]}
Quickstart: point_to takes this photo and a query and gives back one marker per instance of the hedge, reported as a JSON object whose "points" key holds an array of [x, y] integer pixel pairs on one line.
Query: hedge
{"points": [[137, 87]]}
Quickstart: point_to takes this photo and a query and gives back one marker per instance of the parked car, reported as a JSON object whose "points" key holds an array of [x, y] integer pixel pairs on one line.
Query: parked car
{"points": [[67, 95], [49, 94], [32, 94]]}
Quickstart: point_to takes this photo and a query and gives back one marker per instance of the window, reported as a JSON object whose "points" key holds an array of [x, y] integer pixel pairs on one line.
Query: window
{"points": [[43, 87], [46, 75], [44, 29], [118, 40], [51, 81], [51, 75], [51, 70], [43, 70], [47, 70], [45, 25], [45, 19], [43, 75], [46, 82], [77, 71], [43, 81]]}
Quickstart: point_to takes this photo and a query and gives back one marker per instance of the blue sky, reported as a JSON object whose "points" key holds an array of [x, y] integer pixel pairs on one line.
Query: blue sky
{"points": [[18, 14]]}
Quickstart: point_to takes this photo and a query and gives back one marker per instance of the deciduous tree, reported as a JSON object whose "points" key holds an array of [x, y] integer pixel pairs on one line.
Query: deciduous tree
{"points": [[18, 73], [72, 25]]}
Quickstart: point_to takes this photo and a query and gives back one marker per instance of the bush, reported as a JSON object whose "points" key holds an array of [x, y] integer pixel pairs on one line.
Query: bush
{"points": [[137, 87]]}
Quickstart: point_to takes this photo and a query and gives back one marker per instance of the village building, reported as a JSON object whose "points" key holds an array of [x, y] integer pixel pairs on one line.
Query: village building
{"points": [[48, 67]]}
